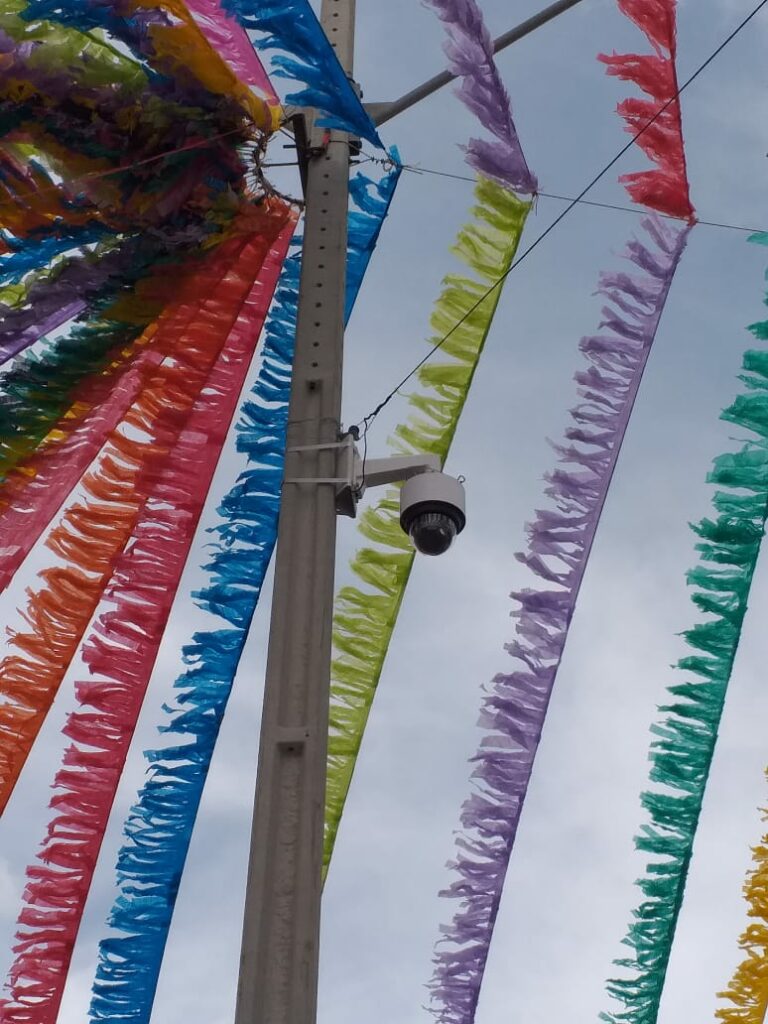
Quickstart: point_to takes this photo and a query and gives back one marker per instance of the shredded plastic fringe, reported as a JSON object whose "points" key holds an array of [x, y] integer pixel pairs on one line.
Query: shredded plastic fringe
{"points": [[664, 187], [364, 619], [747, 992], [94, 533], [560, 542], [304, 55], [470, 52], [160, 825], [122, 651], [684, 740]]}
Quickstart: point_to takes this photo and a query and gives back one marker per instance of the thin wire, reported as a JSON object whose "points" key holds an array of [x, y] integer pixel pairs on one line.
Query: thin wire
{"points": [[367, 421], [97, 175], [637, 211]]}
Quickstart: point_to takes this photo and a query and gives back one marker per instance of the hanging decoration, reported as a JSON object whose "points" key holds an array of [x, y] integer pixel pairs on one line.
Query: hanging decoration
{"points": [[159, 827], [365, 619], [561, 537], [747, 992], [684, 740], [123, 647], [299, 50], [469, 49]]}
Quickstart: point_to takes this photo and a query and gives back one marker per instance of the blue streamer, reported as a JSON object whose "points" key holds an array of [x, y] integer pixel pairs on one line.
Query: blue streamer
{"points": [[373, 201], [159, 826], [305, 55], [35, 252]]}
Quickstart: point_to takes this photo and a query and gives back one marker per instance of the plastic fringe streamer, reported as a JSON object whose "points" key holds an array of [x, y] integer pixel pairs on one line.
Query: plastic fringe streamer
{"points": [[305, 55], [370, 206], [747, 991], [684, 740], [560, 543], [122, 651], [470, 52], [93, 534], [160, 825], [664, 187], [364, 619]]}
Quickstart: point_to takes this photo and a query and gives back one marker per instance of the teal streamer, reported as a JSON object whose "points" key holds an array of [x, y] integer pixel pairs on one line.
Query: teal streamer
{"points": [[305, 55], [684, 740], [28, 254], [159, 826]]}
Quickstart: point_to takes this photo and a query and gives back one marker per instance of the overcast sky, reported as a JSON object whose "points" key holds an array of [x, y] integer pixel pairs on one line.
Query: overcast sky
{"points": [[569, 892]]}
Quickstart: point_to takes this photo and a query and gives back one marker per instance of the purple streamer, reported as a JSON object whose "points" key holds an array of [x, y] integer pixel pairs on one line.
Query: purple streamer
{"points": [[470, 54], [559, 543]]}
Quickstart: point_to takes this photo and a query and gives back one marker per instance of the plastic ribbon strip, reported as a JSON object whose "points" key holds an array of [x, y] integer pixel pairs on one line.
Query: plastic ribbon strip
{"points": [[364, 619], [560, 540], [160, 825], [469, 48], [684, 740], [304, 55], [122, 651], [230, 40]]}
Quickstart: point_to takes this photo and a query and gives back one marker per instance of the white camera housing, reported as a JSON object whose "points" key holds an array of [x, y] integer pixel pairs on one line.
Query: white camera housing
{"points": [[432, 511]]}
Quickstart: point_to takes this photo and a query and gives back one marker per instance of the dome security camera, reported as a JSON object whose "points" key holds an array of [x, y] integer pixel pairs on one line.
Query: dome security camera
{"points": [[432, 511]]}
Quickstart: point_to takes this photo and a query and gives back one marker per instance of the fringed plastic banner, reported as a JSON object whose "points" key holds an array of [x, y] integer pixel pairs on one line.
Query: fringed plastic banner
{"points": [[160, 825], [560, 542], [121, 652], [684, 740], [230, 40], [305, 55], [94, 533], [469, 48], [747, 992], [364, 619], [560, 538]]}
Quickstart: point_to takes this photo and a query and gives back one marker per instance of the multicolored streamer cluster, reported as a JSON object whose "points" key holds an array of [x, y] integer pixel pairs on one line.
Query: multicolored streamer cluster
{"points": [[137, 224], [514, 710], [160, 824]]}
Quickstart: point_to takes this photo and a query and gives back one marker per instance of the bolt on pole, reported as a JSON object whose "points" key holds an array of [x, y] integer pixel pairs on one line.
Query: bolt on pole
{"points": [[279, 958]]}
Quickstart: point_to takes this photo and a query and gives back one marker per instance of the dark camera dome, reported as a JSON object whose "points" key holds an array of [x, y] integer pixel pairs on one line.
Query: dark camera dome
{"points": [[433, 532]]}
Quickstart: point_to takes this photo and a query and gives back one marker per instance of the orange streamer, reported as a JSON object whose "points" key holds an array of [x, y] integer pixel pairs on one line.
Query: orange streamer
{"points": [[94, 532]]}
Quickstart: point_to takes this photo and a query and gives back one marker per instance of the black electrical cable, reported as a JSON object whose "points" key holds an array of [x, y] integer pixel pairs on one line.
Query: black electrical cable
{"points": [[367, 421], [637, 211]]}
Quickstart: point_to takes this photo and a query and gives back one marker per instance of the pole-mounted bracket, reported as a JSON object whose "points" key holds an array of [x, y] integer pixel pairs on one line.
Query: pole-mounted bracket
{"points": [[355, 475]]}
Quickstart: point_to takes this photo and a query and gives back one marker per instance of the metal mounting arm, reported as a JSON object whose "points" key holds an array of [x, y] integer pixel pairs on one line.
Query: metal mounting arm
{"points": [[382, 112]]}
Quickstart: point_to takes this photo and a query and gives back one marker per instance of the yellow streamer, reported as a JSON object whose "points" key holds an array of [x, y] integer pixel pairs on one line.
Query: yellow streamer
{"points": [[748, 988], [365, 619]]}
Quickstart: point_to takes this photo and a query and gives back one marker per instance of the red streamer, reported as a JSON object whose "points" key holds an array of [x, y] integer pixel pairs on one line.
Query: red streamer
{"points": [[122, 650], [93, 534], [665, 186]]}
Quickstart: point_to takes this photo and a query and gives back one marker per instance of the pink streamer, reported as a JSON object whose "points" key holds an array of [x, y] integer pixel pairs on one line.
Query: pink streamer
{"points": [[231, 41], [122, 650]]}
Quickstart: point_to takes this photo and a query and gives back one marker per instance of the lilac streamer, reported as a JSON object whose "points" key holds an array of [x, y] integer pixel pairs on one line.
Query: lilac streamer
{"points": [[470, 54], [50, 303], [559, 545]]}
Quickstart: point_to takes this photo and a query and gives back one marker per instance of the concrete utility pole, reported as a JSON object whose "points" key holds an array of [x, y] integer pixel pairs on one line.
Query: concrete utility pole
{"points": [[279, 959]]}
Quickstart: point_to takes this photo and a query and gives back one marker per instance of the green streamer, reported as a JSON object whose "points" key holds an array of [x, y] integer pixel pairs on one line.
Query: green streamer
{"points": [[365, 619], [684, 744]]}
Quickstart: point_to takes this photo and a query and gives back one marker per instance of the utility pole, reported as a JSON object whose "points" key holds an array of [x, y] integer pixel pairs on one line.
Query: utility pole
{"points": [[281, 931], [279, 959]]}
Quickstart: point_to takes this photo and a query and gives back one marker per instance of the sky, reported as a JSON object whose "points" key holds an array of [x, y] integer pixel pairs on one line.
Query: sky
{"points": [[569, 892]]}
